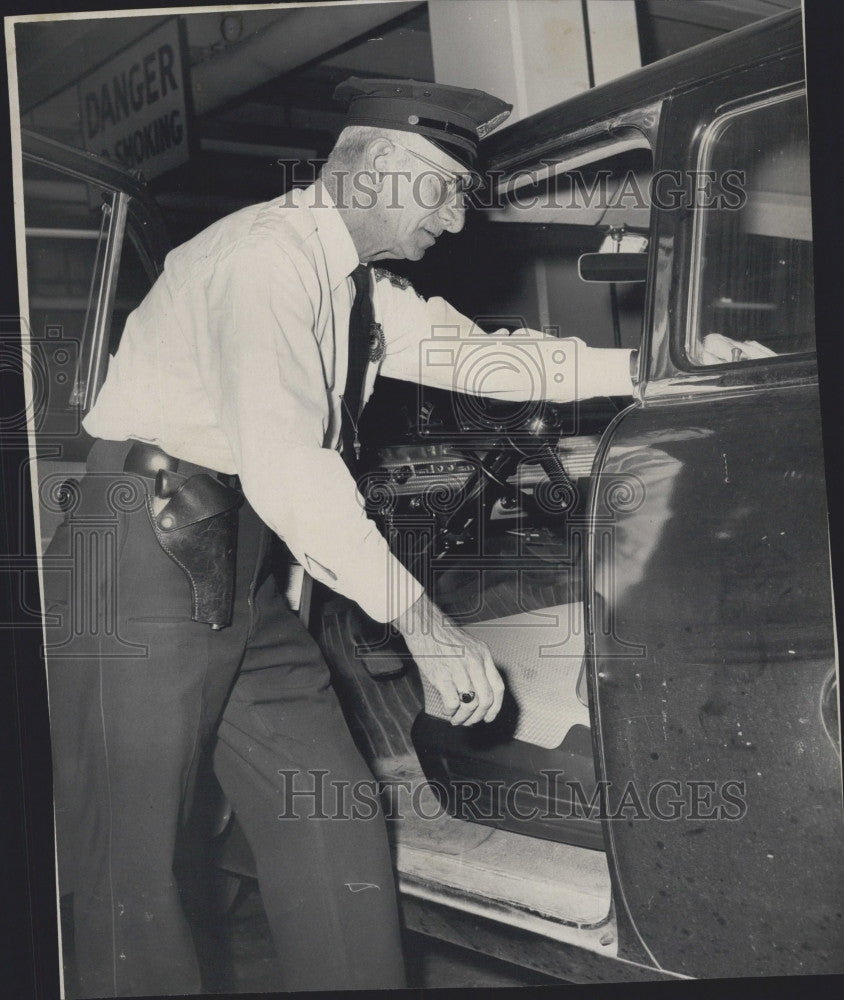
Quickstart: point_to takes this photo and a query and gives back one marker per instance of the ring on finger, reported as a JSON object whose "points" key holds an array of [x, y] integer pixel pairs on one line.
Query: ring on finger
{"points": [[467, 697]]}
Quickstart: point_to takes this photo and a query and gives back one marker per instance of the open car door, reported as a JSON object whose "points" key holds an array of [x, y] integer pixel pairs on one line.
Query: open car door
{"points": [[712, 665]]}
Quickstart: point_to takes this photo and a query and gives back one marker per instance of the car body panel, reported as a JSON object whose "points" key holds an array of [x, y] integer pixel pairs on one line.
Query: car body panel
{"points": [[710, 598], [713, 641]]}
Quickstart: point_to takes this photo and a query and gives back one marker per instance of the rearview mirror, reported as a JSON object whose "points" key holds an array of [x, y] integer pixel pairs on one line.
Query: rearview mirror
{"points": [[612, 266]]}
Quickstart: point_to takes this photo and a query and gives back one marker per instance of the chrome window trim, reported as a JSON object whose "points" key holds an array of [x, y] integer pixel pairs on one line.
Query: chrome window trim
{"points": [[98, 356], [707, 144]]}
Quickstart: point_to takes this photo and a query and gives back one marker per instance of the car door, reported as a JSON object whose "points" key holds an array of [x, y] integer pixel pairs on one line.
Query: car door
{"points": [[94, 245], [712, 660]]}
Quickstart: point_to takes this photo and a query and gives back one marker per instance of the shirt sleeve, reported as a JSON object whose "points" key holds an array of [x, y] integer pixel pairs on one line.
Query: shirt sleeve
{"points": [[272, 409], [428, 341]]}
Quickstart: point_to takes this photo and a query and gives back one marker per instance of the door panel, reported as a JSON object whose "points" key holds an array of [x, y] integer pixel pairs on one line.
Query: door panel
{"points": [[719, 575], [709, 586]]}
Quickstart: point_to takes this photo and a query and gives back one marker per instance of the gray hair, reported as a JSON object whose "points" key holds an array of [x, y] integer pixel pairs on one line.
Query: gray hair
{"points": [[352, 142]]}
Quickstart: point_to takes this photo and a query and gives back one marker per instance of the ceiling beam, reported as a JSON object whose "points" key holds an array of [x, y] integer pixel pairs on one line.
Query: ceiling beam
{"points": [[53, 56], [298, 37]]}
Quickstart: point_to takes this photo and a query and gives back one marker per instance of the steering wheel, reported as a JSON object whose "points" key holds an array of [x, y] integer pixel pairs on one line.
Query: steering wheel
{"points": [[489, 481]]}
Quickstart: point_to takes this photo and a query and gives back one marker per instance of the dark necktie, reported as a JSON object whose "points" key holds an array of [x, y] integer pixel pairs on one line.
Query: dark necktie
{"points": [[360, 330]]}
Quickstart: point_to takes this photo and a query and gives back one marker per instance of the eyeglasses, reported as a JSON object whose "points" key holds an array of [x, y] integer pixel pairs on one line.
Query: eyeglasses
{"points": [[452, 186]]}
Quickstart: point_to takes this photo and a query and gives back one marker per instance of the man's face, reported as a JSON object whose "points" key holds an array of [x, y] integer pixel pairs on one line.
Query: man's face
{"points": [[421, 198]]}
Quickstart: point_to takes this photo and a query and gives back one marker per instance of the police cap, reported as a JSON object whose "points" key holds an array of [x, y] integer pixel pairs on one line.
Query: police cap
{"points": [[453, 118]]}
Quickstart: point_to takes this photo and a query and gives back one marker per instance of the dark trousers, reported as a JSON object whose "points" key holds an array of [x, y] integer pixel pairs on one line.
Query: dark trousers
{"points": [[138, 692]]}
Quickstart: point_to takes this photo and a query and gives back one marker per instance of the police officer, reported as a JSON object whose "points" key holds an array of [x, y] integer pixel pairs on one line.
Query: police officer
{"points": [[252, 356]]}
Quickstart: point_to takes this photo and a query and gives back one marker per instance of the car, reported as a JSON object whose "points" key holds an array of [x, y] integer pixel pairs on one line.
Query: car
{"points": [[660, 795]]}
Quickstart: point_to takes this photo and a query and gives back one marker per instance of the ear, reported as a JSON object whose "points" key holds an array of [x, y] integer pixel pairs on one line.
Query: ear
{"points": [[378, 160]]}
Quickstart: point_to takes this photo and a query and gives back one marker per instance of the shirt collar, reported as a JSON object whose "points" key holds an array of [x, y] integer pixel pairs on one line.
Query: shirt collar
{"points": [[341, 256]]}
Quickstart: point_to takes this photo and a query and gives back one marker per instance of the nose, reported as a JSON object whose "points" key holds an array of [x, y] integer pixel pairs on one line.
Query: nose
{"points": [[452, 215]]}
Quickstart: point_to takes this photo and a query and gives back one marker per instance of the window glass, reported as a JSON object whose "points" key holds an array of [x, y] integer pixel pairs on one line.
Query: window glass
{"points": [[66, 227], [754, 236], [523, 245], [133, 283], [67, 222]]}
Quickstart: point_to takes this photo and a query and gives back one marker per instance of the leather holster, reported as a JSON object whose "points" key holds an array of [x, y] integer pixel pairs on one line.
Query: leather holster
{"points": [[197, 528]]}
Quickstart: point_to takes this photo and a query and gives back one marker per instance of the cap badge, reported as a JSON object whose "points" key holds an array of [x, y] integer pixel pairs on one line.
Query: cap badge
{"points": [[486, 127]]}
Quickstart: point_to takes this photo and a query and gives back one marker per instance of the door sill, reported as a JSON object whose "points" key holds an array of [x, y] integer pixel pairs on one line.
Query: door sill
{"points": [[556, 890]]}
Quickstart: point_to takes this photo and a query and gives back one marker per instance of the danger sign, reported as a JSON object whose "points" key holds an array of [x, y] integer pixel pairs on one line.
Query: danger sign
{"points": [[133, 107]]}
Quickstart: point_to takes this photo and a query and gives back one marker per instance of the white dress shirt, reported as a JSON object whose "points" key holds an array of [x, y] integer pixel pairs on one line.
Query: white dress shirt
{"points": [[236, 360]]}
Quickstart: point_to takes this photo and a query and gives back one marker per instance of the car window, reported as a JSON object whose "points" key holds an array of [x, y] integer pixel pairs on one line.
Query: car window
{"points": [[538, 223], [134, 280], [67, 226], [67, 221], [752, 264]]}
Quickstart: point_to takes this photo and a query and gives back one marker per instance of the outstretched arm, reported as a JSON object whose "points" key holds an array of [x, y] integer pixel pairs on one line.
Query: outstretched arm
{"points": [[430, 342]]}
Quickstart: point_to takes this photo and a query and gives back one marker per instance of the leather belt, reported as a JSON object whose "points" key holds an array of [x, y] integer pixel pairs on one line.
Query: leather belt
{"points": [[148, 460]]}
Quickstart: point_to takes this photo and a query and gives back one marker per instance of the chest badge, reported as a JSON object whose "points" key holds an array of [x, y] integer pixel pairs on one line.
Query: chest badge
{"points": [[377, 343], [396, 280]]}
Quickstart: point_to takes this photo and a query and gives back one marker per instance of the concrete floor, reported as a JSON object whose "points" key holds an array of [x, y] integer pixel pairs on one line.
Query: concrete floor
{"points": [[243, 960], [237, 956]]}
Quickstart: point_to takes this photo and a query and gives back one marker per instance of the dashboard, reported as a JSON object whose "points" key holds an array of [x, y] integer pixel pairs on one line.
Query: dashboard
{"points": [[421, 477], [433, 463]]}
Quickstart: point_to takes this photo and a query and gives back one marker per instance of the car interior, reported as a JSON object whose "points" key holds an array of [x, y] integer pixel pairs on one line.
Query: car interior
{"points": [[487, 503]]}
